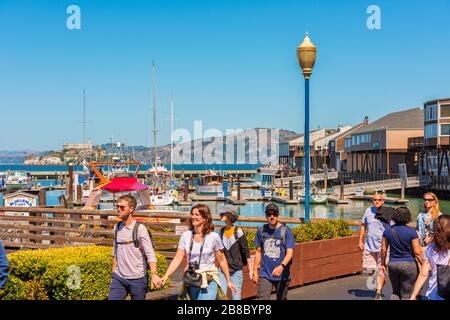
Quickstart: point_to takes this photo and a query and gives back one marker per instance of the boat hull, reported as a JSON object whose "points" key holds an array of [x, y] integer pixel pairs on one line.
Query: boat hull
{"points": [[161, 200], [208, 190], [315, 200], [17, 186]]}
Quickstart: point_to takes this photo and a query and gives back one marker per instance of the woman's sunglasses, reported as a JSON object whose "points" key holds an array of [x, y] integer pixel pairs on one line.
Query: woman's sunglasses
{"points": [[428, 199]]}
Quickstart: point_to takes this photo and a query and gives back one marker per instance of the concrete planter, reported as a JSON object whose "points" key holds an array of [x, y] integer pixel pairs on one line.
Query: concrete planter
{"points": [[317, 260]]}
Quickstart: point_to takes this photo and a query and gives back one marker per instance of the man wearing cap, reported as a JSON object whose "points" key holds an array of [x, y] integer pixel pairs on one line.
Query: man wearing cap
{"points": [[274, 244], [235, 248]]}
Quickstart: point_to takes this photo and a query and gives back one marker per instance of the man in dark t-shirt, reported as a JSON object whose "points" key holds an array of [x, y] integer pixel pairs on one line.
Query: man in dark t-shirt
{"points": [[274, 244]]}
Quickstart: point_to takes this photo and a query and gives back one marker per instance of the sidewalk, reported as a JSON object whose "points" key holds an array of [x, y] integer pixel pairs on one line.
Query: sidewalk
{"points": [[352, 287]]}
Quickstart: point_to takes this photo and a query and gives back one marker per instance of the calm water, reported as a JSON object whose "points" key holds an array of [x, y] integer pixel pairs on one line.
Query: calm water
{"points": [[353, 211]]}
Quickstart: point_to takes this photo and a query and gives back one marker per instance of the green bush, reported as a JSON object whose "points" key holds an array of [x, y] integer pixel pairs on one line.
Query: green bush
{"points": [[311, 231], [53, 273]]}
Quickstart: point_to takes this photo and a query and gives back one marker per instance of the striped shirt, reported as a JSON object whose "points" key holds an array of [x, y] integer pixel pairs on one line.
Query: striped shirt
{"points": [[132, 262]]}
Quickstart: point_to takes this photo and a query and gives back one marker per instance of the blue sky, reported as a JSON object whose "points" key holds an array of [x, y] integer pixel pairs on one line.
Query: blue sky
{"points": [[231, 64]]}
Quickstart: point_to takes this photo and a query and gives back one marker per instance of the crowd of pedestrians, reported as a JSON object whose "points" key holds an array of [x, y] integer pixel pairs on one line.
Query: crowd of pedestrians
{"points": [[213, 260], [408, 256]]}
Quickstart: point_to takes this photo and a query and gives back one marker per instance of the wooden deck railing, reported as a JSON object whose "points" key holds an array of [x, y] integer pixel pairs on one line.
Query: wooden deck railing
{"points": [[42, 227]]}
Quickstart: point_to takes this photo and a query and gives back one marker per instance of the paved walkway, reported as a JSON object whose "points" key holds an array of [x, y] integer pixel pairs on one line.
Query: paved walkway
{"points": [[355, 287]]}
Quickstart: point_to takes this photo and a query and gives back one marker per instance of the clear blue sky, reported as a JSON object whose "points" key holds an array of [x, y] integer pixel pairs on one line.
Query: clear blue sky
{"points": [[231, 64]]}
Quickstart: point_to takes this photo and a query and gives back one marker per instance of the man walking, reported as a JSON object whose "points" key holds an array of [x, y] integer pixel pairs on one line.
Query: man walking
{"points": [[373, 223], [132, 253], [274, 244]]}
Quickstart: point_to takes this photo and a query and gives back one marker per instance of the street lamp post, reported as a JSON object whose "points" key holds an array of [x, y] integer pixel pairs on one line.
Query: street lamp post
{"points": [[306, 53]]}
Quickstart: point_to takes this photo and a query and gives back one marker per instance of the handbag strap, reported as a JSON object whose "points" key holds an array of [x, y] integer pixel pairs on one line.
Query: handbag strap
{"points": [[190, 248]]}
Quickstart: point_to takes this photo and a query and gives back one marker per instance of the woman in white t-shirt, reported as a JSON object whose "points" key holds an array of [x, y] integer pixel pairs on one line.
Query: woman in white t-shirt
{"points": [[437, 253], [201, 246]]}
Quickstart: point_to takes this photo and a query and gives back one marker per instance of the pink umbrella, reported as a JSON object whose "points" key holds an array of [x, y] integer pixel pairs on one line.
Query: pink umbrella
{"points": [[124, 184]]}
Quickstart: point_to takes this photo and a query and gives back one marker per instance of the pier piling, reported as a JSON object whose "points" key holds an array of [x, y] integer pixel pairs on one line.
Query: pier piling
{"points": [[291, 190]]}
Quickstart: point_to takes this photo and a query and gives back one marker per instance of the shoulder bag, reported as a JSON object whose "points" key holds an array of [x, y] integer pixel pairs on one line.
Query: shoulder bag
{"points": [[443, 280]]}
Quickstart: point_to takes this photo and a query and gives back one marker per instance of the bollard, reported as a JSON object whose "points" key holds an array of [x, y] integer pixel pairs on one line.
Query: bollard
{"points": [[341, 197]]}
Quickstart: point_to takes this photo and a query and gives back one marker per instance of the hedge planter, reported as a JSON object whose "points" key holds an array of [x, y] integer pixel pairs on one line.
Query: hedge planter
{"points": [[317, 260]]}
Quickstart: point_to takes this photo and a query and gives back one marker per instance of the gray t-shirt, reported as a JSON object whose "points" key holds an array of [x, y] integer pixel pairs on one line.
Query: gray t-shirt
{"points": [[212, 244], [132, 262], [375, 229]]}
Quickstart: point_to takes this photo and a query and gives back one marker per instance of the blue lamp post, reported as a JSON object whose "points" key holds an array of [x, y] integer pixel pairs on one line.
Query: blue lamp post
{"points": [[306, 53]]}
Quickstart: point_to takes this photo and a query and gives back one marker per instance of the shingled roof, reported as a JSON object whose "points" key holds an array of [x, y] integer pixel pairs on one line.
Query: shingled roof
{"points": [[407, 119]]}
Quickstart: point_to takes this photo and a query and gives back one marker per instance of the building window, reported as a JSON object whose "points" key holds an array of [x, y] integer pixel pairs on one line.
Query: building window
{"points": [[445, 111], [348, 143], [445, 129], [430, 112], [431, 130]]}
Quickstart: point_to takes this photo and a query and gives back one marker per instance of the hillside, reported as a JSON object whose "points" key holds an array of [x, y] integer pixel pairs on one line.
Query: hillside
{"points": [[143, 154]]}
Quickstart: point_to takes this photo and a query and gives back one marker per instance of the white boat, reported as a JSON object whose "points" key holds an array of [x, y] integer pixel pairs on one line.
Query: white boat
{"points": [[18, 180], [209, 185], [164, 199], [316, 196]]}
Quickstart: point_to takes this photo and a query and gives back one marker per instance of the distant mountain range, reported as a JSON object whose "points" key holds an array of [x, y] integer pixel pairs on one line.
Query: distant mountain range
{"points": [[17, 156], [105, 152]]}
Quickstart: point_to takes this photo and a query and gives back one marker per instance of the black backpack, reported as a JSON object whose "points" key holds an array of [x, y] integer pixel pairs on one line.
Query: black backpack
{"points": [[134, 235], [243, 256]]}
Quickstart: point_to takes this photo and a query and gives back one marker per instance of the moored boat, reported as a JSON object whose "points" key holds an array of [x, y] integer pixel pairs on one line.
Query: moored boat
{"points": [[18, 180]]}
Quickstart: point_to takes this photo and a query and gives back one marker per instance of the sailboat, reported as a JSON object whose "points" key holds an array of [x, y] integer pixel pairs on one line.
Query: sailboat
{"points": [[158, 197]]}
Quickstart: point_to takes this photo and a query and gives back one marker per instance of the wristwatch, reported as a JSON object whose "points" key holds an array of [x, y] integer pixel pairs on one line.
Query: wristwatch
{"points": [[284, 266]]}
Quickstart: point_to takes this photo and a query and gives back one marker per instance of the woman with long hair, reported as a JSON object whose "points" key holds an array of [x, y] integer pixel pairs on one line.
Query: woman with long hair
{"points": [[201, 246], [424, 222], [437, 253]]}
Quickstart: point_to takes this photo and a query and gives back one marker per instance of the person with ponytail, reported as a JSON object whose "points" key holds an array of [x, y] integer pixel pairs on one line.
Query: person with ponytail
{"points": [[424, 222]]}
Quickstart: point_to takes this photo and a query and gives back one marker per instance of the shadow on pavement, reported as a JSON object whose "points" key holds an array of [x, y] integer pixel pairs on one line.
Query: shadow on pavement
{"points": [[362, 293]]}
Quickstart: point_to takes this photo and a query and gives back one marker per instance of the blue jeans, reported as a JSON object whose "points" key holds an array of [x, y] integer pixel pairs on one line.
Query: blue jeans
{"points": [[120, 287], [236, 278], [209, 293]]}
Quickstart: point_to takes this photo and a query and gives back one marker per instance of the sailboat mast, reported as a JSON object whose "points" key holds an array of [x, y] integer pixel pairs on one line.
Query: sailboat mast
{"points": [[154, 120], [171, 137]]}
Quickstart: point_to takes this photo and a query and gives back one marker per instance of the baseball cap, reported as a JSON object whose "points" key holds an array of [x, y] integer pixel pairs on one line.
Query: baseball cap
{"points": [[272, 207], [229, 209]]}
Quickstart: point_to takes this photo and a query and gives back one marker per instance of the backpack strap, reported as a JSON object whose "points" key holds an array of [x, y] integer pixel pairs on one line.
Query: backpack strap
{"points": [[135, 234], [283, 236], [115, 232]]}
